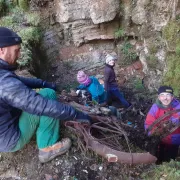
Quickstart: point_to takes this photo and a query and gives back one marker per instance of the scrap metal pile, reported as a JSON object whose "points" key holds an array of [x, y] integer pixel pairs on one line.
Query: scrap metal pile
{"points": [[107, 135]]}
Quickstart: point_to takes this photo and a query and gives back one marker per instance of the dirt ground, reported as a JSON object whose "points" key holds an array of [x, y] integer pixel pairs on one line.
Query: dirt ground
{"points": [[77, 165]]}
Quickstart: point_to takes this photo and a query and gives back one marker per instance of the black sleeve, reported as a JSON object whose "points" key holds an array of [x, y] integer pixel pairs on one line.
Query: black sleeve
{"points": [[106, 78], [18, 95], [31, 82]]}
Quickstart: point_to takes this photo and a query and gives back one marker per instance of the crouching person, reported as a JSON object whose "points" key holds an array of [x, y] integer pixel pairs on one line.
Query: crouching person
{"points": [[168, 148], [92, 85], [23, 112]]}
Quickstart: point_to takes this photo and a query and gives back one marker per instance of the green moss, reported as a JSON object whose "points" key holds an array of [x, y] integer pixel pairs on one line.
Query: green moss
{"points": [[178, 49], [172, 75], [23, 4], [171, 33], [152, 61]]}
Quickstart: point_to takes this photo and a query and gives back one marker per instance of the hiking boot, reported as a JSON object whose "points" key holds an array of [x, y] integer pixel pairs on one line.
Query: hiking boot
{"points": [[49, 153]]}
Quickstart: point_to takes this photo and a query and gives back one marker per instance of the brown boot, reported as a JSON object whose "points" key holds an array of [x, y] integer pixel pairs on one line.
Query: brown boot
{"points": [[49, 153]]}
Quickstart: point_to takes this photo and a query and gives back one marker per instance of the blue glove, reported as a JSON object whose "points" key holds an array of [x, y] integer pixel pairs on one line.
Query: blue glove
{"points": [[50, 85], [175, 139], [83, 118]]}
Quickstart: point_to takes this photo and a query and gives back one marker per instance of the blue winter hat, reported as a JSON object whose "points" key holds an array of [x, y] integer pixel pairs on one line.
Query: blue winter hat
{"points": [[8, 37], [166, 89]]}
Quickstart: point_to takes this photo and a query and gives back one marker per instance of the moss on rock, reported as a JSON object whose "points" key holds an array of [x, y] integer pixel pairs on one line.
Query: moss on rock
{"points": [[23, 4], [171, 33]]}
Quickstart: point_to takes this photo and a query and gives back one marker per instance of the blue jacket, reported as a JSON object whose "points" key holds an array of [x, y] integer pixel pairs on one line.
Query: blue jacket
{"points": [[96, 89], [16, 95]]}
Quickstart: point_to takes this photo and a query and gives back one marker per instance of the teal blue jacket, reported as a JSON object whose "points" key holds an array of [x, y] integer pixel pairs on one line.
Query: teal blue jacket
{"points": [[96, 89]]}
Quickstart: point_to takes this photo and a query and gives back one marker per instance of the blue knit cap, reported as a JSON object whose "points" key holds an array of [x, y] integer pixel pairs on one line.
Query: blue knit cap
{"points": [[166, 89], [8, 37]]}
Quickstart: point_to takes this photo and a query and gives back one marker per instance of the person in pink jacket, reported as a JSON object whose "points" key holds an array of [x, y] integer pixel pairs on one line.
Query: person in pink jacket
{"points": [[168, 147]]}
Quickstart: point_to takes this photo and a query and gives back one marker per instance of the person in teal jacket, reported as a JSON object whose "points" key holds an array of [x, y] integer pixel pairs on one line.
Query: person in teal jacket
{"points": [[92, 85]]}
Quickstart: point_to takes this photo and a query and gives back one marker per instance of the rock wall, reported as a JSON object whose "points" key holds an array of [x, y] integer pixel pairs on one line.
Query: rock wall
{"points": [[80, 33]]}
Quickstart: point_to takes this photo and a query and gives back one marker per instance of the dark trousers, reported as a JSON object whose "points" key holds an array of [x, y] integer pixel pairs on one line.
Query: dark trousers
{"points": [[166, 152], [119, 95]]}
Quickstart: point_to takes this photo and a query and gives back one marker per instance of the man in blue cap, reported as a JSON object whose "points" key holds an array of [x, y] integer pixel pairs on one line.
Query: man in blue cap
{"points": [[166, 102], [24, 112]]}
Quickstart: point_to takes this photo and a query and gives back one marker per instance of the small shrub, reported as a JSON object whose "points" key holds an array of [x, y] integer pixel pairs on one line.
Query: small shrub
{"points": [[7, 21], [26, 55], [17, 15], [119, 33], [30, 35], [128, 54], [33, 19], [138, 85]]}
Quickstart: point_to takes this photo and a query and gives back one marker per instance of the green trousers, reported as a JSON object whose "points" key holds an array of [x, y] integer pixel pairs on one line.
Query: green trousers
{"points": [[45, 128]]}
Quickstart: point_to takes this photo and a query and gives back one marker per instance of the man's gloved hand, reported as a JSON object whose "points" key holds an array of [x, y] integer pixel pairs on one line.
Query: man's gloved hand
{"points": [[83, 118], [50, 85]]}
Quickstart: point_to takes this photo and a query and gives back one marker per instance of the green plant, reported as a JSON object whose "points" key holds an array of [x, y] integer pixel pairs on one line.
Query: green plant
{"points": [[128, 54], [7, 21], [23, 4], [26, 55], [13, 20], [30, 35], [17, 15], [138, 85], [33, 19], [171, 33], [119, 33], [167, 171]]}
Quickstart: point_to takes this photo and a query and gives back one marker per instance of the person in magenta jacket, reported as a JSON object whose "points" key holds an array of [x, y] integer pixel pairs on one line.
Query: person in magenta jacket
{"points": [[168, 148]]}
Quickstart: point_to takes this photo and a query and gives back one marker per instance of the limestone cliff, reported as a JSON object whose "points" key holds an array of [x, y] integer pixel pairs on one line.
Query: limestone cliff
{"points": [[80, 33]]}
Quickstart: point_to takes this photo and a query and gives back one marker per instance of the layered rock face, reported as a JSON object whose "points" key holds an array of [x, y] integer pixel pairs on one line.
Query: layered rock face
{"points": [[82, 32]]}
